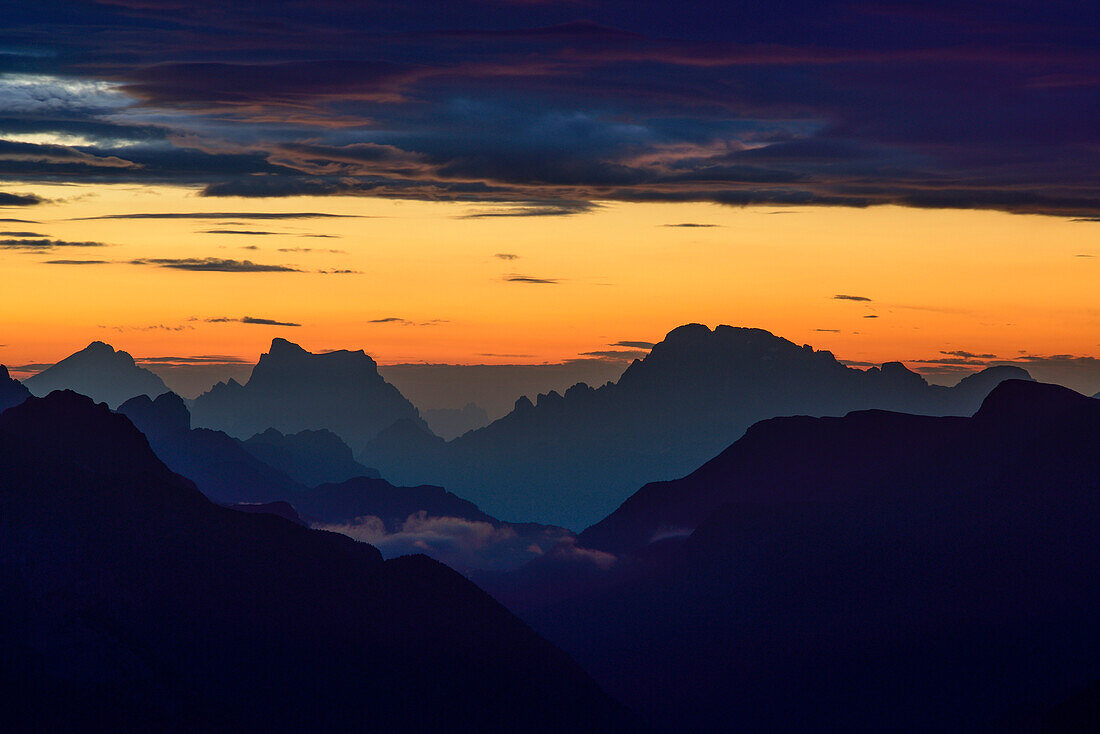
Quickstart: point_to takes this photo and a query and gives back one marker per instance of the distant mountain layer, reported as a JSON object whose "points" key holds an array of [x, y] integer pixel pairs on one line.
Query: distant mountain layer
{"points": [[133, 603], [571, 459], [310, 457], [292, 390], [99, 372], [877, 572], [12, 391], [220, 465], [279, 474]]}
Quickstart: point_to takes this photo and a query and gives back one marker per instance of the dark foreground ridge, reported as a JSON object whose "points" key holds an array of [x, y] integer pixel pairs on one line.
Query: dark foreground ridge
{"points": [[133, 602], [876, 572]]}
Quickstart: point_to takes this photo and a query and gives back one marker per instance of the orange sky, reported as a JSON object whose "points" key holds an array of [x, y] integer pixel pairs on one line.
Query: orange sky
{"points": [[983, 282]]}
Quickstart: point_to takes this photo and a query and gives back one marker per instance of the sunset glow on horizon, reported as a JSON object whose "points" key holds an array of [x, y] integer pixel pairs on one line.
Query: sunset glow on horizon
{"points": [[442, 282]]}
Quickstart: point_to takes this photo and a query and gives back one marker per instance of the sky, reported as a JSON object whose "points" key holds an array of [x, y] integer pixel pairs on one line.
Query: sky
{"points": [[525, 182]]}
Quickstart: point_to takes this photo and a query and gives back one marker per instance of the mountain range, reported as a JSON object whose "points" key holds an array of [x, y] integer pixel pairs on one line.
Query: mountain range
{"points": [[874, 572], [309, 457], [221, 466], [133, 603], [311, 478], [292, 390], [571, 459], [99, 372]]}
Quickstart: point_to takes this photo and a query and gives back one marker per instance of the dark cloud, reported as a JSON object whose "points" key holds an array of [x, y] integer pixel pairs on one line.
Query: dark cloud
{"points": [[635, 344], [266, 322], [221, 215], [506, 256], [691, 224], [828, 331], [558, 209], [44, 244], [236, 231], [871, 316], [76, 262], [20, 221], [248, 320], [616, 355], [388, 320], [841, 297], [40, 155], [19, 200], [340, 271], [515, 278], [22, 234], [215, 264], [524, 105]]}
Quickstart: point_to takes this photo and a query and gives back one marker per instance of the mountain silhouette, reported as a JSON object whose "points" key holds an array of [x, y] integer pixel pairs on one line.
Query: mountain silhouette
{"points": [[876, 572], [99, 372], [571, 459], [292, 390], [309, 457], [221, 466], [12, 391], [272, 473], [133, 603]]}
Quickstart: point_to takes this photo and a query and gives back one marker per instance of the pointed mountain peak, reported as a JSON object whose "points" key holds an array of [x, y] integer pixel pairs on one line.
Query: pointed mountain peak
{"points": [[280, 347], [100, 372], [12, 391]]}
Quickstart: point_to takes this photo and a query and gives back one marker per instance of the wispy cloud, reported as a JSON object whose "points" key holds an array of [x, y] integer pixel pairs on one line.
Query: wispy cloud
{"points": [[215, 264], [691, 225], [44, 244], [237, 231], [221, 215], [397, 321], [248, 320], [516, 278], [548, 209], [634, 344], [76, 262], [506, 256], [842, 297], [196, 359]]}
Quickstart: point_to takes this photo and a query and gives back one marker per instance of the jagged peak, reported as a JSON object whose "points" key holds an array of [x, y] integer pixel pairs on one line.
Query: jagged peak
{"points": [[280, 345]]}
